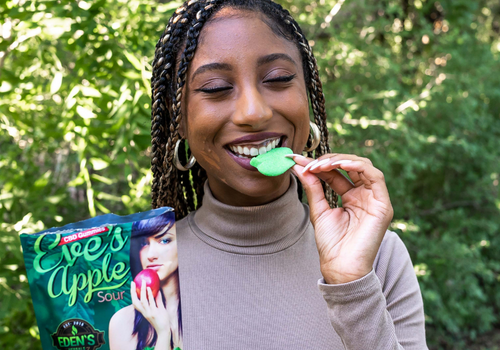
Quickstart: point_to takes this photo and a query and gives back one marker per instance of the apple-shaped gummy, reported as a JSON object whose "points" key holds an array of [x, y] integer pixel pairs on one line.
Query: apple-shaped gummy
{"points": [[152, 281]]}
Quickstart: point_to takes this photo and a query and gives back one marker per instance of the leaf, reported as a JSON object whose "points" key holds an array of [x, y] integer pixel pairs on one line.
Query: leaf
{"points": [[56, 83], [85, 113], [273, 162], [98, 164], [90, 91], [132, 59]]}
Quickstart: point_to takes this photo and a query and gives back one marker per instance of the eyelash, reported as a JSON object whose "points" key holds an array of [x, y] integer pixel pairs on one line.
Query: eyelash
{"points": [[215, 90], [282, 79], [168, 240]]}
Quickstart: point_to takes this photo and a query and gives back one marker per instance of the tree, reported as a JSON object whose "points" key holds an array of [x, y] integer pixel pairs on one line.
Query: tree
{"points": [[409, 84]]}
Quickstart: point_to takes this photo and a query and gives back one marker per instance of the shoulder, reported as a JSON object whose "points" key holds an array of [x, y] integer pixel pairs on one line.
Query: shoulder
{"points": [[126, 312], [184, 223], [121, 327]]}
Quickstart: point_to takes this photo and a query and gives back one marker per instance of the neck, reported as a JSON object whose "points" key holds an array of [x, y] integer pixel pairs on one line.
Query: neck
{"points": [[261, 229], [170, 290]]}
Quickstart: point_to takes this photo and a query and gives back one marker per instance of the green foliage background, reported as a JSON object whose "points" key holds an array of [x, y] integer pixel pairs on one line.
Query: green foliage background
{"points": [[412, 84]]}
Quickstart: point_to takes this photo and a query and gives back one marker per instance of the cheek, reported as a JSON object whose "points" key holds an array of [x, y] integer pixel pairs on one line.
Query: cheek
{"points": [[169, 252], [142, 256], [296, 109], [204, 125]]}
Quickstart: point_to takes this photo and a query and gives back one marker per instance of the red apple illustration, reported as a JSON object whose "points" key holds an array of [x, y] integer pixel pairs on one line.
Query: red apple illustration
{"points": [[152, 281]]}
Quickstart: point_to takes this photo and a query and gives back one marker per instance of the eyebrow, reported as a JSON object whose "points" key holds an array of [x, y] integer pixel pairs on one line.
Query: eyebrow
{"points": [[227, 67], [212, 66], [274, 57], [163, 234]]}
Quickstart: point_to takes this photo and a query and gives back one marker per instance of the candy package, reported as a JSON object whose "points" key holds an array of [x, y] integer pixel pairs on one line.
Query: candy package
{"points": [[95, 284]]}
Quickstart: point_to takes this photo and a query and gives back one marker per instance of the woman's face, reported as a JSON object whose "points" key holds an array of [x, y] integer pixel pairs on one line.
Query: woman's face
{"points": [[245, 93], [159, 252]]}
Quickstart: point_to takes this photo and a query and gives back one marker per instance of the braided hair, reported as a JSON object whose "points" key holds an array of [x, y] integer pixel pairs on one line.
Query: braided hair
{"points": [[183, 190]]}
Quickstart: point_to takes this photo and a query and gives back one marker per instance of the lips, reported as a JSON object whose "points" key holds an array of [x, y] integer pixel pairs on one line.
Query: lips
{"points": [[155, 267], [243, 149], [252, 145]]}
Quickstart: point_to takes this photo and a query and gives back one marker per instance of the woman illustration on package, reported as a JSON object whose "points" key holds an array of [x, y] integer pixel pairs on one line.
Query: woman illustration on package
{"points": [[151, 322]]}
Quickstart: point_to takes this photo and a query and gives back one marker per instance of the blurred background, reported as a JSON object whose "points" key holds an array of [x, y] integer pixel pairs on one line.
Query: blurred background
{"points": [[412, 84]]}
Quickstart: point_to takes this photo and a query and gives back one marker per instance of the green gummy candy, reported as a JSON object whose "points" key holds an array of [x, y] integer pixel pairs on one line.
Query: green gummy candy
{"points": [[274, 162]]}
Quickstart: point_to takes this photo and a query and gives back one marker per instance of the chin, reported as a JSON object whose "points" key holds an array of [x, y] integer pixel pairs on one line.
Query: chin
{"points": [[266, 187]]}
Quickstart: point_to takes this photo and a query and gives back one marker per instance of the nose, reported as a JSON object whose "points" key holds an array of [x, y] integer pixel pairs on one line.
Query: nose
{"points": [[152, 254], [251, 108]]}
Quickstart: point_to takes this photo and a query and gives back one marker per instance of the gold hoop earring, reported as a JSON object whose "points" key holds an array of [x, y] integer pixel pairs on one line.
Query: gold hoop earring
{"points": [[177, 162], [315, 135]]}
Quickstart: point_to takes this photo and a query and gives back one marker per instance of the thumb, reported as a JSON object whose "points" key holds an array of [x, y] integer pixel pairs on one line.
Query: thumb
{"points": [[314, 192]]}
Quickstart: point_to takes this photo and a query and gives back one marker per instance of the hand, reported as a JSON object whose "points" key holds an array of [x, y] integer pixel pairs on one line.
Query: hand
{"points": [[347, 238], [152, 309]]}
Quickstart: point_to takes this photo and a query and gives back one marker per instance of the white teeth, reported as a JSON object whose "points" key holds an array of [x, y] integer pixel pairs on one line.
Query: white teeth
{"points": [[266, 146]]}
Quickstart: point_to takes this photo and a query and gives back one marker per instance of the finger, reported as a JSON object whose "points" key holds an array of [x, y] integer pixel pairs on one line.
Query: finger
{"points": [[133, 292], [306, 162], [144, 299], [370, 178], [366, 182], [135, 300], [151, 298], [314, 191], [299, 159], [337, 181], [295, 156], [327, 160]]}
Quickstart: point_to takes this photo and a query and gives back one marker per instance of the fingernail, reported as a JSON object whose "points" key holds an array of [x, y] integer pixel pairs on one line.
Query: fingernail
{"points": [[342, 162], [309, 165], [324, 161], [294, 155]]}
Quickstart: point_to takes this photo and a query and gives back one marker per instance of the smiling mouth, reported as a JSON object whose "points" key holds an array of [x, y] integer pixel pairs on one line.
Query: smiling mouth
{"points": [[251, 150]]}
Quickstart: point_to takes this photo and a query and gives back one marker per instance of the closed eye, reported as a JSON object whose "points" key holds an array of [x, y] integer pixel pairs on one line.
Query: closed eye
{"points": [[214, 90], [284, 79]]}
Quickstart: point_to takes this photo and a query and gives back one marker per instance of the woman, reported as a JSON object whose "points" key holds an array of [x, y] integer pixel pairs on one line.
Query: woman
{"points": [[151, 322], [233, 78]]}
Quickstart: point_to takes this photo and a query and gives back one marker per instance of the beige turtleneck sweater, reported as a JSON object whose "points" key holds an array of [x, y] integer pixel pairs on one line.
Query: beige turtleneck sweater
{"points": [[249, 279]]}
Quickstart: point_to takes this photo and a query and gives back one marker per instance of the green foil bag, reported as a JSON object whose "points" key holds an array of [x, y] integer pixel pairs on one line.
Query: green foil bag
{"points": [[80, 280]]}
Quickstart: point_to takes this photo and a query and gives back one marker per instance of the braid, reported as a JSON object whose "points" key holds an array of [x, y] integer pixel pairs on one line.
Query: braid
{"points": [[172, 187], [168, 182], [182, 203], [184, 190], [199, 177]]}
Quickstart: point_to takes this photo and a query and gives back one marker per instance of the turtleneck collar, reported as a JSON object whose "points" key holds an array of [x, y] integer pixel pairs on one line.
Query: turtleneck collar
{"points": [[263, 229]]}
